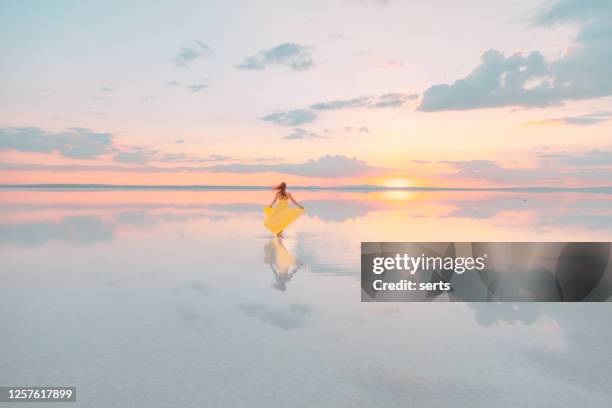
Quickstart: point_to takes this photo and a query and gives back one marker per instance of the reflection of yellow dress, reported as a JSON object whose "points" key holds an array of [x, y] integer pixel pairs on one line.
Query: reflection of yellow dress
{"points": [[278, 218], [283, 263], [277, 256]]}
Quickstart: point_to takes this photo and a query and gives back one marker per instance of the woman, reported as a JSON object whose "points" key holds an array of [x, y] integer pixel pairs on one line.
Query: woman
{"points": [[279, 217]]}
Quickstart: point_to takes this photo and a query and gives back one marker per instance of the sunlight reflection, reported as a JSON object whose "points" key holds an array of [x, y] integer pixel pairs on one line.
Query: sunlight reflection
{"points": [[398, 195]]}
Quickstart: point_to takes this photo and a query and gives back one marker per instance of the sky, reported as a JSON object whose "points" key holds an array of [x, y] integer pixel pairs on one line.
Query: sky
{"points": [[344, 92]]}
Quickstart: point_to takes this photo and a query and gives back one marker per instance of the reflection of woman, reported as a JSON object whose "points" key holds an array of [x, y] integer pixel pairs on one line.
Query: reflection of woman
{"points": [[283, 264], [279, 217]]}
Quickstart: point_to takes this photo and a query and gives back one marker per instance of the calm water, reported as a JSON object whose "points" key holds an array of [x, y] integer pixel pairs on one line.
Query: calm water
{"points": [[182, 299]]}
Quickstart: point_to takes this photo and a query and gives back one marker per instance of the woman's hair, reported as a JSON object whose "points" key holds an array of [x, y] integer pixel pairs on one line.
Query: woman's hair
{"points": [[282, 187]]}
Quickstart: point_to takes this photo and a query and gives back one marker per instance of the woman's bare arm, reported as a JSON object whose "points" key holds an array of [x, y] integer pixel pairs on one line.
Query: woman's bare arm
{"points": [[295, 202], [275, 198]]}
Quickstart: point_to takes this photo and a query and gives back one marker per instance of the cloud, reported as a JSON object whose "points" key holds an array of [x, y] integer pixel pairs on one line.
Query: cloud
{"points": [[348, 129], [294, 56], [79, 230], [135, 156], [589, 158], [294, 117], [299, 133], [266, 159], [568, 11], [389, 100], [179, 141], [106, 168], [194, 320], [143, 155], [528, 80], [326, 166], [217, 157], [593, 166], [361, 102], [295, 316], [186, 158], [298, 117], [599, 175], [82, 143], [95, 168], [581, 120], [76, 143], [193, 87], [334, 211], [392, 100], [107, 89], [487, 170], [497, 81], [189, 54]]}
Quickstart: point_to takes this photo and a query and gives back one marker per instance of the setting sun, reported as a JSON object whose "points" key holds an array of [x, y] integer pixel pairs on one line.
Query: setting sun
{"points": [[398, 182]]}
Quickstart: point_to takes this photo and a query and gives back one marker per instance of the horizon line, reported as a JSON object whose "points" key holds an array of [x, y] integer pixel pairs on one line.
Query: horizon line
{"points": [[356, 188]]}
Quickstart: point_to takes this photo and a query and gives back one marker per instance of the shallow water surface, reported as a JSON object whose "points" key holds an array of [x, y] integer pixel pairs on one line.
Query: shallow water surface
{"points": [[183, 299]]}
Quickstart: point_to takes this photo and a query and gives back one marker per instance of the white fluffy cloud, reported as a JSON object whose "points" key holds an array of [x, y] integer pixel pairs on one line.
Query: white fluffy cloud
{"points": [[189, 54], [294, 117], [326, 166], [75, 143], [529, 80], [294, 56]]}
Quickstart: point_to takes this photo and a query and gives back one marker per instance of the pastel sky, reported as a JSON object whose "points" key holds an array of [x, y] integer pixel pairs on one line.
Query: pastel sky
{"points": [[395, 93]]}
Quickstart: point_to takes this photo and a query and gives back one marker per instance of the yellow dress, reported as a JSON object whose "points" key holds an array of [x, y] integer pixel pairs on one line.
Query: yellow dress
{"points": [[279, 257], [278, 218]]}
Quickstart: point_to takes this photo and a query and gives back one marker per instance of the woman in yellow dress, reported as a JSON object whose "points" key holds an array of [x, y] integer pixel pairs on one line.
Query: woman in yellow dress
{"points": [[278, 218]]}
